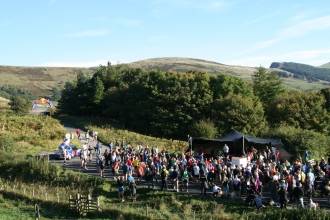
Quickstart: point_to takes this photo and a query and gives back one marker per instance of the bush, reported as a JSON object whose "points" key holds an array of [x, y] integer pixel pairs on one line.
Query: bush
{"points": [[297, 140], [6, 143], [19, 105], [204, 128]]}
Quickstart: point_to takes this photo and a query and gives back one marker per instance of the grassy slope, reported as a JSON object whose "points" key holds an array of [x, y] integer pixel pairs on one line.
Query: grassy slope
{"points": [[31, 134], [326, 65], [4, 104], [38, 80], [186, 64]]}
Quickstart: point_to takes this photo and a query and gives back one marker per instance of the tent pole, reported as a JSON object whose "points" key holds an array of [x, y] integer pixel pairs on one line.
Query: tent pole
{"points": [[243, 146]]}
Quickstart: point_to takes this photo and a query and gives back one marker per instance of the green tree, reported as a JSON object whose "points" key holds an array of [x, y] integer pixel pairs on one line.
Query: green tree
{"points": [[204, 128], [241, 113], [97, 90], [326, 94], [223, 85], [19, 105], [301, 110], [297, 140], [266, 86]]}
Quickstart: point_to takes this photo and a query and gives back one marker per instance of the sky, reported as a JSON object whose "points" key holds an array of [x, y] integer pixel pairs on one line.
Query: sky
{"points": [[90, 32]]}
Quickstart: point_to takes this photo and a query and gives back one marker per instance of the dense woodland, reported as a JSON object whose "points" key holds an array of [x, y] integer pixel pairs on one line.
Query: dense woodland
{"points": [[173, 105]]}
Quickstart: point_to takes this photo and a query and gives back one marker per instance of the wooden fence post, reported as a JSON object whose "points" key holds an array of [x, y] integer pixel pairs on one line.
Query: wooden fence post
{"points": [[37, 211], [98, 204]]}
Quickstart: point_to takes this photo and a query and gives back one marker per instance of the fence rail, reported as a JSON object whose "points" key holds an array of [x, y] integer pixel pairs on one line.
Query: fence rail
{"points": [[83, 204]]}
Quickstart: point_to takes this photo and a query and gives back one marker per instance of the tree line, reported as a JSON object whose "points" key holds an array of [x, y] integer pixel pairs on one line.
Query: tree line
{"points": [[173, 105]]}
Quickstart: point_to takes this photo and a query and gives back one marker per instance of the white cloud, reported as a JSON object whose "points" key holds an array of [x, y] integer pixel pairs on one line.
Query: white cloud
{"points": [[89, 33], [296, 30]]}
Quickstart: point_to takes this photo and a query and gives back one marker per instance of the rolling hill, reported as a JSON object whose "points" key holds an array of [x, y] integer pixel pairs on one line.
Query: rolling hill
{"points": [[176, 64], [326, 65], [40, 80]]}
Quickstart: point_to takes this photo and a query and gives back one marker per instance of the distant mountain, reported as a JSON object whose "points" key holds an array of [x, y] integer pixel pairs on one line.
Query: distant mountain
{"points": [[41, 80], [326, 65], [178, 64], [303, 71], [38, 80]]}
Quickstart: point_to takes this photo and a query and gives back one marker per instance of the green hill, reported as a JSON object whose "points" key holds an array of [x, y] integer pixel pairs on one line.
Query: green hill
{"points": [[326, 65], [38, 80], [303, 71], [176, 64]]}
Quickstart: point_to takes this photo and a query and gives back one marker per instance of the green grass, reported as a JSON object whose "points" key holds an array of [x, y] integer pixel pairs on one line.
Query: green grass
{"points": [[31, 134], [108, 132]]}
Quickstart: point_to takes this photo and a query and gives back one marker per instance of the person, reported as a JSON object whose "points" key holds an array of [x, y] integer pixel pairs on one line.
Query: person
{"points": [[149, 177], [196, 170], [84, 156], [163, 176], [175, 178], [283, 195], [125, 170], [106, 156], [100, 163], [121, 188], [203, 181], [78, 133], [299, 194], [97, 148], [90, 152], [225, 150], [216, 190], [185, 179], [258, 201], [132, 186]]}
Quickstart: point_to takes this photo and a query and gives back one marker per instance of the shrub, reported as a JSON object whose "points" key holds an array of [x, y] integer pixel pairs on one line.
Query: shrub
{"points": [[204, 128], [6, 143], [297, 140], [19, 105]]}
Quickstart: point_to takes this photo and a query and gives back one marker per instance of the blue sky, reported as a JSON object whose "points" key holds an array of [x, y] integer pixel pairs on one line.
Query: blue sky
{"points": [[90, 32]]}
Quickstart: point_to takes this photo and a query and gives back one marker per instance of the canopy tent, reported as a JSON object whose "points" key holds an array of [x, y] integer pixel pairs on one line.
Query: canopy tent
{"points": [[238, 143]]}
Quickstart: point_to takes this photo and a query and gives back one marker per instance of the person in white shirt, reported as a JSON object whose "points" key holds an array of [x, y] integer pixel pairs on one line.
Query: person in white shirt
{"points": [[226, 150], [196, 171], [216, 191]]}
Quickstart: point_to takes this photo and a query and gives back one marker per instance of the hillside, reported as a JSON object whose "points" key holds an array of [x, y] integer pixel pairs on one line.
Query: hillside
{"points": [[326, 65], [38, 80], [303, 71], [176, 64]]}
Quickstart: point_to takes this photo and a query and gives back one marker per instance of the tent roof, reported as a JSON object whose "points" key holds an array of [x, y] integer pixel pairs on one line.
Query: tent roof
{"points": [[235, 136]]}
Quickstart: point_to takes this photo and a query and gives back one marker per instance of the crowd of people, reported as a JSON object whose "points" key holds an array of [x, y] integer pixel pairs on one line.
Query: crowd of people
{"points": [[265, 174]]}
